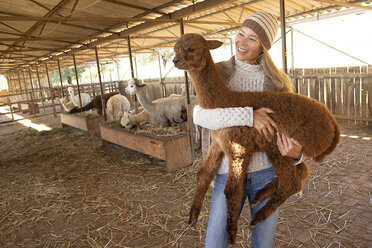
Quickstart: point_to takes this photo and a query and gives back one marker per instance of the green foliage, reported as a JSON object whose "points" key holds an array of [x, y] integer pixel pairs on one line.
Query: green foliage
{"points": [[146, 59], [67, 74]]}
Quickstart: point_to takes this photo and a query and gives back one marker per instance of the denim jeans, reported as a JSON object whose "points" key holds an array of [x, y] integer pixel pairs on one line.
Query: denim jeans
{"points": [[263, 234]]}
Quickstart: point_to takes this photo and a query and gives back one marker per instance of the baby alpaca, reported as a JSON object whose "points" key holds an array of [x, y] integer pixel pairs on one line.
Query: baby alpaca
{"points": [[117, 106], [130, 120], [296, 116], [134, 119], [85, 98], [164, 112]]}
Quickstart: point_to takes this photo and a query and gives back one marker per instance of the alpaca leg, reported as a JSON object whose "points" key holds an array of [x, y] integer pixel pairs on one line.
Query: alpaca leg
{"points": [[301, 169], [289, 183], [205, 175], [265, 192], [234, 192]]}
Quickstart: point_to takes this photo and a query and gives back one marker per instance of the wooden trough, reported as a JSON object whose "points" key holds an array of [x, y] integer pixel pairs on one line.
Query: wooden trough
{"points": [[89, 124], [175, 149]]}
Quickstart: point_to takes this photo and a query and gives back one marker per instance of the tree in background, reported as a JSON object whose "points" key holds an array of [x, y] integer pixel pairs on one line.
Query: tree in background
{"points": [[68, 75]]}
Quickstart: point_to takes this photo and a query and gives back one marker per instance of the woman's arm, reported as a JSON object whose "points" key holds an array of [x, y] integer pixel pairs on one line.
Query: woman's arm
{"points": [[290, 147], [223, 117]]}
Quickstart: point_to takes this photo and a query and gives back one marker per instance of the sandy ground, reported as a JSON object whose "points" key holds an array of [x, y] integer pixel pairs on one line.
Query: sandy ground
{"points": [[62, 188]]}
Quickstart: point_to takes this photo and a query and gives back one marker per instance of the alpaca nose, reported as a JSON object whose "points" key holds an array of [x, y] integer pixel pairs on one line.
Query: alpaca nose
{"points": [[175, 60]]}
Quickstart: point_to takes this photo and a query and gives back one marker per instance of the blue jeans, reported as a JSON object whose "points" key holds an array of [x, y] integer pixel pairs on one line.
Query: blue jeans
{"points": [[263, 234]]}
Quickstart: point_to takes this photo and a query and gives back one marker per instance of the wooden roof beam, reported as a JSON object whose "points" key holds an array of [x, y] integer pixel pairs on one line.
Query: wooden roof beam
{"points": [[345, 4], [135, 7]]}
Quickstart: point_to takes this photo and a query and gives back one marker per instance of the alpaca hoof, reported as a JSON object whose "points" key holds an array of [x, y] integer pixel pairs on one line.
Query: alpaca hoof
{"points": [[254, 223], [254, 203], [299, 194], [193, 223], [193, 216], [232, 237]]}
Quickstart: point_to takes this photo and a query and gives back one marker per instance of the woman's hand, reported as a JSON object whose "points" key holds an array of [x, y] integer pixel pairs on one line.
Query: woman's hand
{"points": [[289, 147], [263, 123]]}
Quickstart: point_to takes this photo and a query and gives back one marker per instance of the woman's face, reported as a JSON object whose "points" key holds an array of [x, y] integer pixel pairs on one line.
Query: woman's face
{"points": [[247, 45]]}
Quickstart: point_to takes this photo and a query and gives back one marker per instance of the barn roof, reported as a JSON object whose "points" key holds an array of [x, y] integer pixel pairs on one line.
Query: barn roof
{"points": [[39, 31]]}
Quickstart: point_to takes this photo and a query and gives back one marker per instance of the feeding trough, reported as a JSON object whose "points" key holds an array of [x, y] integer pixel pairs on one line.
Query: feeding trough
{"points": [[86, 123], [174, 149]]}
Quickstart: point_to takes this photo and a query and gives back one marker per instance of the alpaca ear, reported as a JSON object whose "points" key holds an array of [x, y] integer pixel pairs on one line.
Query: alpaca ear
{"points": [[140, 85], [213, 44]]}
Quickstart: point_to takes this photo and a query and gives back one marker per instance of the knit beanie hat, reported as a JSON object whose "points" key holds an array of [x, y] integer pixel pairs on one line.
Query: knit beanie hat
{"points": [[264, 25]]}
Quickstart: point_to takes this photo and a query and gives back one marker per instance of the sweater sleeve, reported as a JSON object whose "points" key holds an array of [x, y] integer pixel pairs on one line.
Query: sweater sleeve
{"points": [[223, 117]]}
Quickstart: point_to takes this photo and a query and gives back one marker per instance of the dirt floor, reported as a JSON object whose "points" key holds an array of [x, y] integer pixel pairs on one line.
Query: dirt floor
{"points": [[62, 188]]}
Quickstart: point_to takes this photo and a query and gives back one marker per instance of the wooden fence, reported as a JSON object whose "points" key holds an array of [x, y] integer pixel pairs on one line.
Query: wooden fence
{"points": [[346, 91]]}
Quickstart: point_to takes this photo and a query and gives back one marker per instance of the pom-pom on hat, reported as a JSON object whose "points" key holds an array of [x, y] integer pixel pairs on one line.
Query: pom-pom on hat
{"points": [[264, 25]]}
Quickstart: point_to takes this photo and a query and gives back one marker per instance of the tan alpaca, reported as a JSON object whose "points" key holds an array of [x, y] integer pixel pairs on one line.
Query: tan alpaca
{"points": [[299, 117]]}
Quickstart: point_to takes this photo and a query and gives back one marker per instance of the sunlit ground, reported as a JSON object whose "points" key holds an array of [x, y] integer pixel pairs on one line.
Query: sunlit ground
{"points": [[25, 122], [355, 137]]}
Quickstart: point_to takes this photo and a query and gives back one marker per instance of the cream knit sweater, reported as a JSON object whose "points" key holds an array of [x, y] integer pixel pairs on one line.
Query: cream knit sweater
{"points": [[246, 78]]}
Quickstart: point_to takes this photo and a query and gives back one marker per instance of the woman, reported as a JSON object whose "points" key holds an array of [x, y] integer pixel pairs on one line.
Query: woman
{"points": [[252, 69]]}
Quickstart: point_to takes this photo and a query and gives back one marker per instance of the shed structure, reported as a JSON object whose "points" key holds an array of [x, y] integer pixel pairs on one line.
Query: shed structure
{"points": [[41, 36]]}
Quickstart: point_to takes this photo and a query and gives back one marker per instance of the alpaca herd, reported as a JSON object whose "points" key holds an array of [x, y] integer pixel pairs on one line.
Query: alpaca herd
{"points": [[161, 112], [297, 116]]}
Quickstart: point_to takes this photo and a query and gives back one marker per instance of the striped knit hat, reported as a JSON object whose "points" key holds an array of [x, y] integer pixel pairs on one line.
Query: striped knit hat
{"points": [[264, 25]]}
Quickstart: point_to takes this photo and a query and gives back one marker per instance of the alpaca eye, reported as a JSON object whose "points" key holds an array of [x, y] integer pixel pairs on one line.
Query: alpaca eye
{"points": [[190, 50]]}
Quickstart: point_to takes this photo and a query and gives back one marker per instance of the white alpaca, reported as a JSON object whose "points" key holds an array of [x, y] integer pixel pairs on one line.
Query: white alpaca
{"points": [[164, 111], [68, 106], [85, 98], [128, 121], [117, 106]]}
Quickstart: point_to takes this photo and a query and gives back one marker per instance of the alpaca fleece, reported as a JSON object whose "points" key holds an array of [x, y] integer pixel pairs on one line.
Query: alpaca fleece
{"points": [[299, 117]]}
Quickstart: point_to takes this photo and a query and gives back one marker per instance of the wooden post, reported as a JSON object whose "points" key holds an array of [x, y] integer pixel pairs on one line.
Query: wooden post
{"points": [[32, 94], [132, 72], [41, 91], [32, 86], [101, 85], [60, 78], [284, 39], [77, 80], [51, 90], [10, 85], [162, 86], [292, 54], [24, 83], [135, 65], [117, 69], [15, 84], [20, 85]]}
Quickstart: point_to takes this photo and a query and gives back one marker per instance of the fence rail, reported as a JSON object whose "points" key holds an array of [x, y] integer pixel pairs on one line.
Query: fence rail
{"points": [[346, 91]]}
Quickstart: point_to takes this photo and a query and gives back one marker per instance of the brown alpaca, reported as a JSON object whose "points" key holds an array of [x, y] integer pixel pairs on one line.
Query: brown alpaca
{"points": [[299, 117], [95, 103]]}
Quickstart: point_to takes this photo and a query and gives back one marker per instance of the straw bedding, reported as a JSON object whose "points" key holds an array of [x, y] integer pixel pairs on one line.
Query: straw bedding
{"points": [[63, 189]]}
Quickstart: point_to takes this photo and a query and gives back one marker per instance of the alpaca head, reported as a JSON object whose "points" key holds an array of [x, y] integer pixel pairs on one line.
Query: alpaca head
{"points": [[62, 100], [192, 52], [133, 86], [70, 90], [125, 122]]}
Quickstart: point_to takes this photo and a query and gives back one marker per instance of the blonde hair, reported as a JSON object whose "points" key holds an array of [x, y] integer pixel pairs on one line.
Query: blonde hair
{"points": [[281, 81]]}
